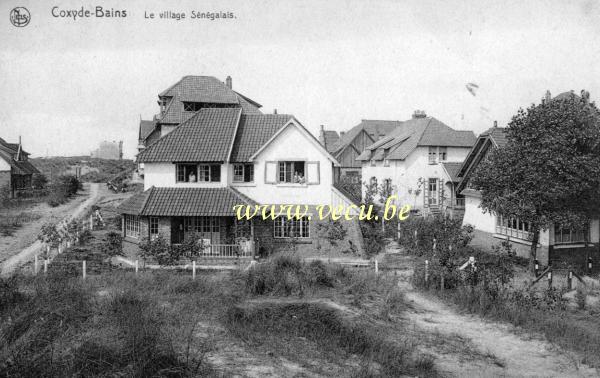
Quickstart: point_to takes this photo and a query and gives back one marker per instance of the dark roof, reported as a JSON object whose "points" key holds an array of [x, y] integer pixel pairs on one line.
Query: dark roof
{"points": [[206, 137], [169, 202], [566, 96], [354, 199], [452, 169], [9, 152], [329, 139], [497, 135], [375, 128], [416, 132], [253, 132], [146, 127], [204, 89]]}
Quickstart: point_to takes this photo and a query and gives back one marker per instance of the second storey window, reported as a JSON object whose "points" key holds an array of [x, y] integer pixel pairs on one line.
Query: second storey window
{"points": [[187, 172], [567, 235], [513, 227], [198, 172], [292, 172], [243, 173], [432, 155], [442, 153]]}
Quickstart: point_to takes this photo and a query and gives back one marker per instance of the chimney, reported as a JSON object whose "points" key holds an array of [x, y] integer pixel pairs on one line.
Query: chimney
{"points": [[274, 111], [322, 128], [495, 123], [228, 82], [342, 133], [419, 114]]}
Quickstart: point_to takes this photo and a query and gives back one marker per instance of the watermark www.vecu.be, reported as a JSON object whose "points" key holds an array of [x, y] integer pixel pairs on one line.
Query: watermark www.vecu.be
{"points": [[339, 212]]}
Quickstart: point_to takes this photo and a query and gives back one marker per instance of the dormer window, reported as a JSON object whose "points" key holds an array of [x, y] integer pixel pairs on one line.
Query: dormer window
{"points": [[192, 106]]}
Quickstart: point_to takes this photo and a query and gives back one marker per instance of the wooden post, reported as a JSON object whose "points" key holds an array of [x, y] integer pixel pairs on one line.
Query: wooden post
{"points": [[84, 268], [137, 266], [376, 266], [194, 269], [35, 265], [426, 272], [416, 242], [45, 266], [434, 244], [399, 230], [549, 279], [536, 267], [589, 265], [91, 221], [570, 280], [59, 248], [441, 280]]}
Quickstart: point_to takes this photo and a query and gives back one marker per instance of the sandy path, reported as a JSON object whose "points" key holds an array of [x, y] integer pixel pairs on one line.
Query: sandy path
{"points": [[511, 353], [14, 260]]}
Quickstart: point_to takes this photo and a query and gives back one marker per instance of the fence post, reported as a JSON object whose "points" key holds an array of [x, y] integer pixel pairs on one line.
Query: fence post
{"points": [[416, 240], [434, 244], [376, 266], [91, 222], [398, 230], [45, 266], [137, 266], [84, 268], [589, 265], [35, 265], [570, 280], [537, 268], [59, 247], [549, 279], [194, 269], [426, 272]]}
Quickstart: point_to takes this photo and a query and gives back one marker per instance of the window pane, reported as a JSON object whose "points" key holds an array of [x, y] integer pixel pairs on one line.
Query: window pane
{"points": [[238, 173], [203, 173], [215, 173]]}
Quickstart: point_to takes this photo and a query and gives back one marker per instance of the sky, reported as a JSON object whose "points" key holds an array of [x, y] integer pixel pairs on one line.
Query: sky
{"points": [[69, 84]]}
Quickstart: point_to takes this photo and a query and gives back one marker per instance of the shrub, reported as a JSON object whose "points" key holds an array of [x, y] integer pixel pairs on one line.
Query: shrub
{"points": [[39, 181], [62, 189], [580, 296], [159, 249], [332, 231], [114, 244]]}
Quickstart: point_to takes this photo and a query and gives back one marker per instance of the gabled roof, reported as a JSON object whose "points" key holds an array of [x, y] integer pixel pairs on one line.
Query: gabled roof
{"points": [[146, 127], [10, 153], [206, 137], [170, 202], [452, 170], [253, 132], [416, 132], [204, 89], [375, 128], [494, 137]]}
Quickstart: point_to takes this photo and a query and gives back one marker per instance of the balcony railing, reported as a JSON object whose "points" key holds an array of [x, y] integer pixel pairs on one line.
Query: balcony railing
{"points": [[459, 203]]}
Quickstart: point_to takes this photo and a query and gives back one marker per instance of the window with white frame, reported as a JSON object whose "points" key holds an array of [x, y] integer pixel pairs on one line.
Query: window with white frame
{"points": [[513, 227], [243, 173], [187, 172], [432, 155], [153, 227], [386, 163], [442, 153], [432, 188], [373, 163], [283, 227], [569, 236], [292, 172], [132, 226]]}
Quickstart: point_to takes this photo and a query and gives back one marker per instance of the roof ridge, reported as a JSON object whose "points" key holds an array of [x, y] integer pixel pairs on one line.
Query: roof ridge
{"points": [[235, 132], [171, 87]]}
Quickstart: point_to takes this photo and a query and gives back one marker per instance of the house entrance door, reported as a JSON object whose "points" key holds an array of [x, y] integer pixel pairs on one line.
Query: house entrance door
{"points": [[177, 230], [207, 228]]}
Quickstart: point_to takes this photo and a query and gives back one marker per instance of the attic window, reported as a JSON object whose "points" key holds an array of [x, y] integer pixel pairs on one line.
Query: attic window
{"points": [[192, 106], [386, 163], [243, 173]]}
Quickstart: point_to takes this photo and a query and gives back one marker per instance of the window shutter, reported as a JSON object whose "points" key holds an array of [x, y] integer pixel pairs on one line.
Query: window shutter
{"points": [[215, 173], [440, 191], [426, 194], [313, 173], [270, 172]]}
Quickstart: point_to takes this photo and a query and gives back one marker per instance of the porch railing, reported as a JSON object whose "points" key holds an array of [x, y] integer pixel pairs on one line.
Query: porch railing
{"points": [[459, 203], [227, 250]]}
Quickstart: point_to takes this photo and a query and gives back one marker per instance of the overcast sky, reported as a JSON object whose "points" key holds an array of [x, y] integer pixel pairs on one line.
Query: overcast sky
{"points": [[67, 85]]}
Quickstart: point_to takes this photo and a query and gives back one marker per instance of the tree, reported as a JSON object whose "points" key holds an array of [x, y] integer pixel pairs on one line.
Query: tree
{"points": [[549, 171]]}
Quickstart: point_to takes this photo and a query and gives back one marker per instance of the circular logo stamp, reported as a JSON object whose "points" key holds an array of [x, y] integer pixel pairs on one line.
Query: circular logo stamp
{"points": [[20, 17]]}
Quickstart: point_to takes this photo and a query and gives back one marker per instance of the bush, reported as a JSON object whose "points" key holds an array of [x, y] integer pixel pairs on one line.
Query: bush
{"points": [[114, 244], [62, 189], [288, 275], [373, 236], [39, 181], [159, 249]]}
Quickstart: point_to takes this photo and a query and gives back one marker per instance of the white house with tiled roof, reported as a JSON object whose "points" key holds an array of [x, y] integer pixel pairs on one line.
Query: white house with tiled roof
{"points": [[222, 157], [555, 244], [417, 161]]}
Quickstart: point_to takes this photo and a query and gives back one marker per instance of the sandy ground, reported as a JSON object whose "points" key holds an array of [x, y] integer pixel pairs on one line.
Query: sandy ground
{"points": [[499, 349], [20, 248]]}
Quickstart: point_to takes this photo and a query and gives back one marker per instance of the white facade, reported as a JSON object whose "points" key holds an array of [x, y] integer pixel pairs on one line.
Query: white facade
{"points": [[4, 165], [292, 143], [405, 174]]}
